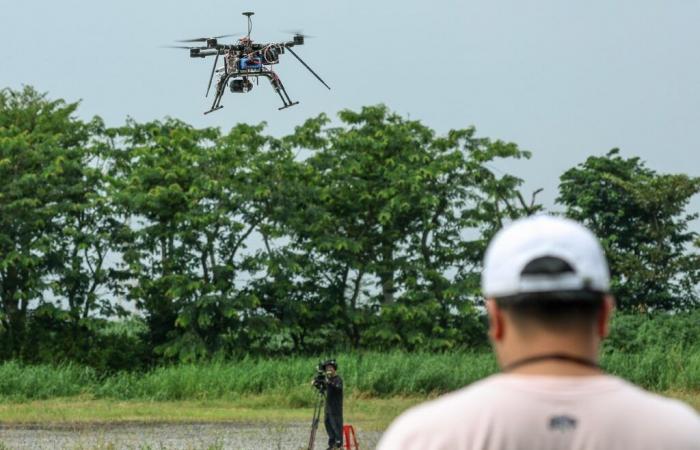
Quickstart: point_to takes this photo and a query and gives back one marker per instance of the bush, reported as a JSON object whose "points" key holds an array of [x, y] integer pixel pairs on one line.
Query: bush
{"points": [[106, 346]]}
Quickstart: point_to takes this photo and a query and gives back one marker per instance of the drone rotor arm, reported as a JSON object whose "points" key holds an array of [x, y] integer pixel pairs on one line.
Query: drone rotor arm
{"points": [[307, 66]]}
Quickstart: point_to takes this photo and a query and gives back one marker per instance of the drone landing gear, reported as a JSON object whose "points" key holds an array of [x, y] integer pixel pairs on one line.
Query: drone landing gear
{"points": [[274, 80], [220, 87], [287, 106], [282, 92], [213, 109]]}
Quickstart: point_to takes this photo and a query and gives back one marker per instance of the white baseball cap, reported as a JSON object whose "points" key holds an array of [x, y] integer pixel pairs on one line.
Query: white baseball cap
{"points": [[537, 237]]}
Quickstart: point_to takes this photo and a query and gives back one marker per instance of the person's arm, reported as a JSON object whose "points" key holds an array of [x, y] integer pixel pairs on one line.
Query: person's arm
{"points": [[336, 382]]}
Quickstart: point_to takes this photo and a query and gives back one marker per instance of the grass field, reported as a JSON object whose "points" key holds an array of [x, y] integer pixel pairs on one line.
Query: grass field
{"points": [[371, 413], [378, 387]]}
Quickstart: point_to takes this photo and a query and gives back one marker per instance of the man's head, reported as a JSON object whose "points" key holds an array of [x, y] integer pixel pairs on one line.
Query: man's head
{"points": [[330, 367], [546, 282]]}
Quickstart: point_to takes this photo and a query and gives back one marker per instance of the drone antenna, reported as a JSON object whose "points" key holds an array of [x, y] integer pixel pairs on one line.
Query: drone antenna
{"points": [[250, 21]]}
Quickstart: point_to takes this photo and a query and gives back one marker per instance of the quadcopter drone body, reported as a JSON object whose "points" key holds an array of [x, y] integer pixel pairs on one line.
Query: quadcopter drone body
{"points": [[245, 61]]}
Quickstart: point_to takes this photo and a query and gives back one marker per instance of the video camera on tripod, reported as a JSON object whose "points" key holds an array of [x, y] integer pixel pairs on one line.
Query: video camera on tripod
{"points": [[320, 381]]}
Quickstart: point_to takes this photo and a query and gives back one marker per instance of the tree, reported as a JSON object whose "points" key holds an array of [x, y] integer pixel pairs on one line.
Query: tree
{"points": [[43, 150], [189, 197], [88, 227], [384, 206], [640, 217]]}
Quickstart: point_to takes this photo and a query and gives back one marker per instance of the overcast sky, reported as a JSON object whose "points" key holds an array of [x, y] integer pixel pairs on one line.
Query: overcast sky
{"points": [[563, 79]]}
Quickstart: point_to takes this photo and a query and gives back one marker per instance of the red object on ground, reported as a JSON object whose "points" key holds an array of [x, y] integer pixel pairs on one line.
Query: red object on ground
{"points": [[347, 431]]}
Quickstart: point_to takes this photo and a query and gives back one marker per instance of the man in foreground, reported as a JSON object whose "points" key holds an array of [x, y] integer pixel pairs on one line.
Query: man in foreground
{"points": [[546, 282]]}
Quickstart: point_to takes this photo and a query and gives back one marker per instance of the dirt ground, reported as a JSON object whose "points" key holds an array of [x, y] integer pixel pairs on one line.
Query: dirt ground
{"points": [[204, 436]]}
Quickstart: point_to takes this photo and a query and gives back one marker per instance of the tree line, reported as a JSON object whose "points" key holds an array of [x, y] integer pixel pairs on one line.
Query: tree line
{"points": [[367, 233]]}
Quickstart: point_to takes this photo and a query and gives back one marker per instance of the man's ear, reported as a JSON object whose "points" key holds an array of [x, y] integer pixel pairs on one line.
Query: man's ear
{"points": [[605, 315], [495, 314]]}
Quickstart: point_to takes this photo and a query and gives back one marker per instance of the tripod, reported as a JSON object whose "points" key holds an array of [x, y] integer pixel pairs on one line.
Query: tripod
{"points": [[316, 418]]}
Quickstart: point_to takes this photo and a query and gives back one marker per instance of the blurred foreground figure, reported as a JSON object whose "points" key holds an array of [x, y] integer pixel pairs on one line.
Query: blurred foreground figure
{"points": [[546, 282]]}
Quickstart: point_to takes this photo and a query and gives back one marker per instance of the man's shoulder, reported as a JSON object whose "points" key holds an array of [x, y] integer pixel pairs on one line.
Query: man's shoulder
{"points": [[655, 418], [509, 403], [432, 424], [659, 405], [460, 403]]}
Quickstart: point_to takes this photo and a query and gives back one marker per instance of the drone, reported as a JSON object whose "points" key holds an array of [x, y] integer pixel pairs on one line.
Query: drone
{"points": [[245, 61]]}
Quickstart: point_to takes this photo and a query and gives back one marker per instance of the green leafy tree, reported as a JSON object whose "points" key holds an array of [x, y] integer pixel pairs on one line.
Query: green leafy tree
{"points": [[88, 225], [188, 194], [640, 218], [43, 150], [385, 205]]}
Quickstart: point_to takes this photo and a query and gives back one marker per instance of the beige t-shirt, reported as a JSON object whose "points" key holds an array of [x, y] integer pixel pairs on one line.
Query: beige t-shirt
{"points": [[545, 412]]}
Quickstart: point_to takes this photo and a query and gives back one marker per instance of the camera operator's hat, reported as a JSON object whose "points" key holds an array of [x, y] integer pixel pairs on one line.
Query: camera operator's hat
{"points": [[330, 362], [544, 254]]}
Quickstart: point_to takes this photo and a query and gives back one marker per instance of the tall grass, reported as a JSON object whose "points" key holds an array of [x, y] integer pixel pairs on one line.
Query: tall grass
{"points": [[378, 375], [658, 368], [365, 374], [41, 382]]}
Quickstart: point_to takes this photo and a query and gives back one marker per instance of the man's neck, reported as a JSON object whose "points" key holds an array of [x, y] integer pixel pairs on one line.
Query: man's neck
{"points": [[556, 368], [551, 357]]}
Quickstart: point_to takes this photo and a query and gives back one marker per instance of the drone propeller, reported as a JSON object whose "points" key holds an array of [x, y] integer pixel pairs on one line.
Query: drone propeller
{"points": [[307, 66], [180, 46], [206, 39], [211, 77], [298, 33]]}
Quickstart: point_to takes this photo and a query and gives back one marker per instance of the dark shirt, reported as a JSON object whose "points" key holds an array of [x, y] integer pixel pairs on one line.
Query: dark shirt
{"points": [[334, 396]]}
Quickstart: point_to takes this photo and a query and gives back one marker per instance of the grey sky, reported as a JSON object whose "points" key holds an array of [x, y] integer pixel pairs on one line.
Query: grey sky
{"points": [[564, 79]]}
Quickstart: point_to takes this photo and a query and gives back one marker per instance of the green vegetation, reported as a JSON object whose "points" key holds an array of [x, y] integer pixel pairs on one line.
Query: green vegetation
{"points": [[380, 387], [373, 374], [660, 352], [235, 247], [361, 227], [286, 380], [372, 413], [640, 218]]}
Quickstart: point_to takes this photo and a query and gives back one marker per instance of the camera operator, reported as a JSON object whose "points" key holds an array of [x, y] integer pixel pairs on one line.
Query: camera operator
{"points": [[334, 404]]}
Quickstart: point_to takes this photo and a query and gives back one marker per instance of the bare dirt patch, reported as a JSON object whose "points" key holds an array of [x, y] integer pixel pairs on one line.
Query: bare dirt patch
{"points": [[191, 436]]}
